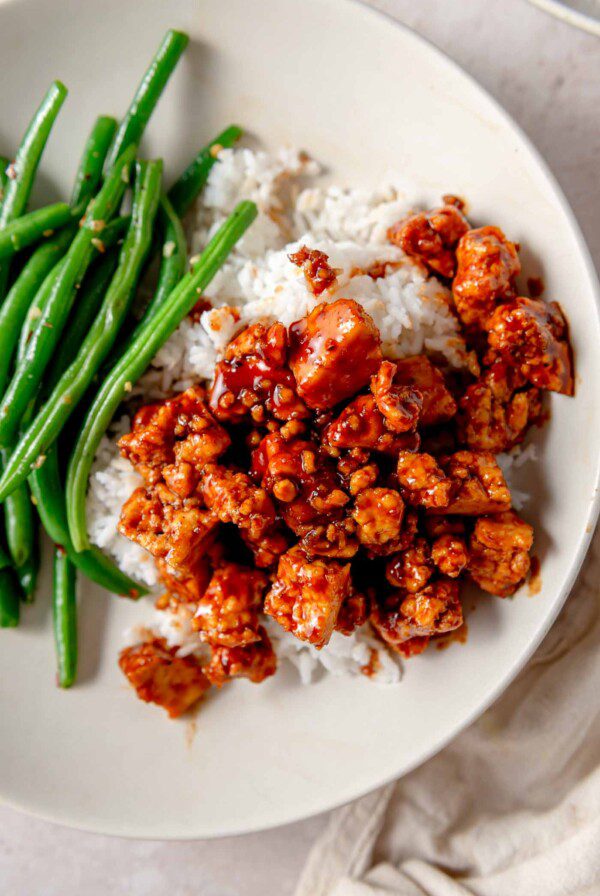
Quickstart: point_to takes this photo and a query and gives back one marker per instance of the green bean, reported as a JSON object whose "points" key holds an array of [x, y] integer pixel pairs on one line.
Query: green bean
{"points": [[18, 519], [29, 283], [29, 153], [92, 293], [93, 290], [151, 337], [22, 294], [5, 560], [27, 573], [89, 172], [22, 172], [173, 243], [174, 206], [4, 163], [50, 502], [10, 599], [56, 410], [172, 269], [48, 329], [186, 188], [19, 516], [111, 234], [35, 226], [64, 615], [147, 95], [173, 260]]}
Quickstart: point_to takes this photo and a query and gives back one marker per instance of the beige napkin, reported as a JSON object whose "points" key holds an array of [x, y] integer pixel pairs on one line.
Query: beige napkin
{"points": [[511, 807]]}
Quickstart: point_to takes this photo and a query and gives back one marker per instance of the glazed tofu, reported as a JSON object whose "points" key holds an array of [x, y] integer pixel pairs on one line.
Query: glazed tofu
{"points": [[268, 546], [306, 596], [419, 373], [302, 480], [478, 484], [400, 405], [253, 382], [318, 273], [234, 498], [499, 558], [491, 423], [487, 265], [334, 350], [411, 569], [255, 661], [353, 614], [450, 555], [532, 335], [362, 425], [227, 612], [422, 481], [183, 588], [336, 539], [171, 529], [431, 237], [160, 676], [406, 622], [173, 440], [378, 514]]}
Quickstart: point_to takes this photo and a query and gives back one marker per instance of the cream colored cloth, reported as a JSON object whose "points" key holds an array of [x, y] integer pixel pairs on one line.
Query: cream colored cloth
{"points": [[510, 808]]}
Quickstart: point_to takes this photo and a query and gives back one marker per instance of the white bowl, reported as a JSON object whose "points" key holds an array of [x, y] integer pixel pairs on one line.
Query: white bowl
{"points": [[365, 97]]}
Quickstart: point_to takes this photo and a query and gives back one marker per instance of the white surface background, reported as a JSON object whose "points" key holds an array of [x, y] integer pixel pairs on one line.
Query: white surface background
{"points": [[547, 76]]}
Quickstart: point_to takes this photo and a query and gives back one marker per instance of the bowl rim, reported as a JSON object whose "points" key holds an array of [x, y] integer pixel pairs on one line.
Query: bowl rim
{"points": [[560, 10]]}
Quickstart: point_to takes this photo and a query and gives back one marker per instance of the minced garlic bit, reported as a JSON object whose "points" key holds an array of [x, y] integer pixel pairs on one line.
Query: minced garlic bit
{"points": [[128, 386], [11, 171], [194, 259], [125, 174], [34, 313], [98, 226], [33, 500], [168, 249], [215, 149], [39, 461], [98, 244]]}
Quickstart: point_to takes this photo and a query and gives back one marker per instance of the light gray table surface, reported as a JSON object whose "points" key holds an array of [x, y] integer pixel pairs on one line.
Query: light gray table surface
{"points": [[547, 75]]}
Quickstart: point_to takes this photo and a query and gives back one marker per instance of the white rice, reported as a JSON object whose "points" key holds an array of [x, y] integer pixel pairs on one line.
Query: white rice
{"points": [[410, 309]]}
